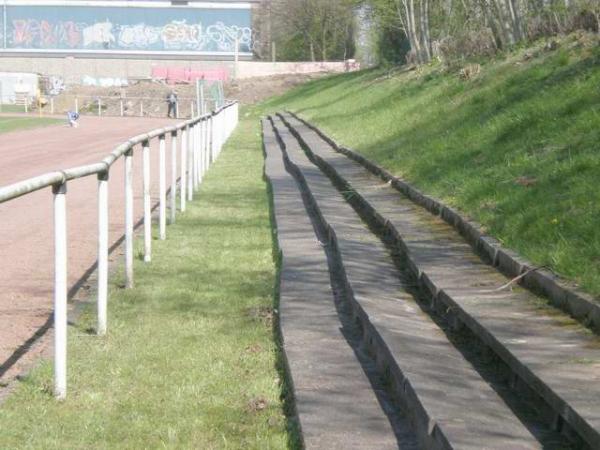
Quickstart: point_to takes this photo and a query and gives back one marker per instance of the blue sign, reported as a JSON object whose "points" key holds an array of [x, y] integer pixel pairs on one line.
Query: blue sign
{"points": [[114, 28]]}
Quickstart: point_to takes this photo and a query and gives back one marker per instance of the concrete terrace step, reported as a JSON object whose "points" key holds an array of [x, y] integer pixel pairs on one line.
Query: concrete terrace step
{"points": [[335, 401], [551, 353], [448, 402]]}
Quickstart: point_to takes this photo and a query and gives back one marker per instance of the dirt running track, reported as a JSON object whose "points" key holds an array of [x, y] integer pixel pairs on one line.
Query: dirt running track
{"points": [[26, 224]]}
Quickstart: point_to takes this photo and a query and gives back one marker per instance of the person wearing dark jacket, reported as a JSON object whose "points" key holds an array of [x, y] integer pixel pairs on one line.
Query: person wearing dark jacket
{"points": [[172, 103]]}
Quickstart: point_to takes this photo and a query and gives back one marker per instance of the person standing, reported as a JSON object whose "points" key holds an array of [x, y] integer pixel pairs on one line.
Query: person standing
{"points": [[172, 104]]}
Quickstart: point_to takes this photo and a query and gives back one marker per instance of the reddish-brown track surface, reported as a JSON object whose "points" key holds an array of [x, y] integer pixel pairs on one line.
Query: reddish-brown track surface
{"points": [[26, 223]]}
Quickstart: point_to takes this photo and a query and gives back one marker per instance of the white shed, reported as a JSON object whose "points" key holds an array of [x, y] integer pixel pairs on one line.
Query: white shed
{"points": [[17, 84]]}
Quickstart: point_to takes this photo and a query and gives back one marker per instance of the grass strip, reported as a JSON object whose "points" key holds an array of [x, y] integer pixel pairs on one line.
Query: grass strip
{"points": [[25, 123], [190, 360]]}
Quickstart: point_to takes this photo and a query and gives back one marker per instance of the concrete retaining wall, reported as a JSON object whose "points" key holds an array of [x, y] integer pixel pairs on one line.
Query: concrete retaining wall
{"points": [[73, 70]]}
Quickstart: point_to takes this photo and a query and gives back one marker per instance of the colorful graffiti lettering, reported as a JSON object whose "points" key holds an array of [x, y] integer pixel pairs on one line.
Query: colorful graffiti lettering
{"points": [[43, 34], [175, 35], [138, 36]]}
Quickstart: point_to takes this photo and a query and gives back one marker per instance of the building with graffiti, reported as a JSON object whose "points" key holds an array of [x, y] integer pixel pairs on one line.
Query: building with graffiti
{"points": [[111, 27]]}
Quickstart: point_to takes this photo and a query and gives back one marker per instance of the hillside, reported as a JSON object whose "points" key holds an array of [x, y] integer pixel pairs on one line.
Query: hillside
{"points": [[513, 143]]}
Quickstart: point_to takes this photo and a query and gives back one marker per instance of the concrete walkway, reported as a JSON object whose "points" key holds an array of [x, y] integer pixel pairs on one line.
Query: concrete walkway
{"points": [[449, 404], [336, 402]]}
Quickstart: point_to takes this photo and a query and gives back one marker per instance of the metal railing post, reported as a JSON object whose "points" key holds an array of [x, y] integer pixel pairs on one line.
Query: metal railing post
{"points": [[147, 202], [122, 109], [60, 290], [211, 138], [162, 187], [173, 196], [102, 251], [206, 146], [193, 157], [198, 177], [129, 219], [182, 178], [99, 106], [190, 171], [201, 148]]}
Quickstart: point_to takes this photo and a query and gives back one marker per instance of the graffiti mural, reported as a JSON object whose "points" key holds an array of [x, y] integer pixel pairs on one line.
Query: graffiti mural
{"points": [[128, 28]]}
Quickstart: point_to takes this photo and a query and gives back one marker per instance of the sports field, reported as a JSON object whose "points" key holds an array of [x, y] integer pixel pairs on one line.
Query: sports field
{"points": [[26, 278]]}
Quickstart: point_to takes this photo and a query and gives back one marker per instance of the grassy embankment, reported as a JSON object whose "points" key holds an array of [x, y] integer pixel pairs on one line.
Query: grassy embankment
{"points": [[190, 359], [21, 123], [517, 147]]}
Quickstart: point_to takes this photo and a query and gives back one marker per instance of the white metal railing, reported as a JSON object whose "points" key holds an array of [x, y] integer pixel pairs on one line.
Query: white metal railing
{"points": [[200, 143]]}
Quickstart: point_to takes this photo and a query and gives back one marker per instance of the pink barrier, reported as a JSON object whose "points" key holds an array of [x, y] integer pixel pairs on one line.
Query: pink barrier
{"points": [[178, 75]]}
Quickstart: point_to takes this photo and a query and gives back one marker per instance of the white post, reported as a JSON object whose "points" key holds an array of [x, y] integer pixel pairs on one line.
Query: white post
{"points": [[76, 105], [147, 202], [236, 58], [177, 109], [199, 126], [60, 290], [129, 219], [121, 105], [162, 187], [190, 172], [173, 197], [182, 179], [211, 140], [201, 147], [196, 156], [102, 251], [51, 105], [141, 108], [99, 106], [206, 146], [192, 113]]}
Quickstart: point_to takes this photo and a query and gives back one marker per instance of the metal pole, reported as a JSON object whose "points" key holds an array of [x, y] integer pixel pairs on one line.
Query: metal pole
{"points": [[102, 251], [147, 203], [76, 105], [202, 101], [122, 111], [177, 109], [141, 108], [206, 146], [182, 179], [129, 219], [162, 187], [99, 106], [201, 148], [173, 198], [198, 107], [51, 105], [236, 58], [211, 137], [190, 171], [60, 290], [197, 156]]}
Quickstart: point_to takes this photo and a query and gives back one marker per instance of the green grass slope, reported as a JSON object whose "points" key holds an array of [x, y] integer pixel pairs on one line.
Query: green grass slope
{"points": [[516, 148]]}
